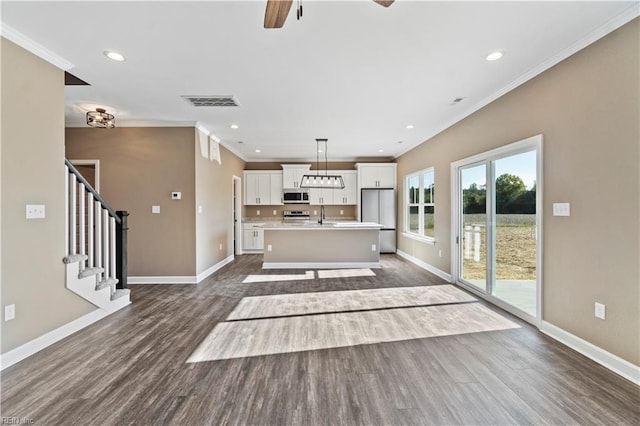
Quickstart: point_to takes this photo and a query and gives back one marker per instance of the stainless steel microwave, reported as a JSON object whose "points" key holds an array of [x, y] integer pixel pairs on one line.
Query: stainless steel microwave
{"points": [[296, 197]]}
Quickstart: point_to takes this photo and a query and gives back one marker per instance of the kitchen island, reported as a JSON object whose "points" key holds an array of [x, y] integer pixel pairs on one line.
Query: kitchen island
{"points": [[327, 245]]}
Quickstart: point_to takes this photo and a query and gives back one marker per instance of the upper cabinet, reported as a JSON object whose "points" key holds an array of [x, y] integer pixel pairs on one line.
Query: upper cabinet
{"points": [[376, 175], [335, 196], [348, 195], [262, 187], [292, 175]]}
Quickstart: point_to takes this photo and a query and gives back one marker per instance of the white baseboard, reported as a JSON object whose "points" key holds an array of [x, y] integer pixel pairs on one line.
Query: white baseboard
{"points": [[435, 271], [320, 265], [187, 279], [204, 274], [162, 280], [39, 343], [613, 362]]}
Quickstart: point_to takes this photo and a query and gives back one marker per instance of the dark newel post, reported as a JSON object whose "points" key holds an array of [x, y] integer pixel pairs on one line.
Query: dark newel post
{"points": [[121, 249]]}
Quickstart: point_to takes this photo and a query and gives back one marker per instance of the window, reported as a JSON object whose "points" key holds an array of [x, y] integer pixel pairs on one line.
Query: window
{"points": [[420, 203]]}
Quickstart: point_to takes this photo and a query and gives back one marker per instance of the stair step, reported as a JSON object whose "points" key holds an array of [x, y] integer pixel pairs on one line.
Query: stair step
{"points": [[109, 282], [90, 271], [73, 258], [120, 293]]}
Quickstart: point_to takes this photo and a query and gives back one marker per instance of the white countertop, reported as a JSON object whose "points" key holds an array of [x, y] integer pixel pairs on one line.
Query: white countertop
{"points": [[314, 226]]}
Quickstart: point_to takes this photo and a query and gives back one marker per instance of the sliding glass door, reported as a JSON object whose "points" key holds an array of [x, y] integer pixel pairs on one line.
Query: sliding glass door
{"points": [[497, 226], [473, 225], [515, 231]]}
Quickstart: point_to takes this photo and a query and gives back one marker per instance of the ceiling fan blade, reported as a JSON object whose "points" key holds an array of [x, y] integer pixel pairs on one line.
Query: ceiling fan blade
{"points": [[385, 3], [276, 13]]}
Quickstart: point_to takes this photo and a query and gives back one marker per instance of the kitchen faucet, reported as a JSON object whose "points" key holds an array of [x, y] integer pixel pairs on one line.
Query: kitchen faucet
{"points": [[321, 215]]}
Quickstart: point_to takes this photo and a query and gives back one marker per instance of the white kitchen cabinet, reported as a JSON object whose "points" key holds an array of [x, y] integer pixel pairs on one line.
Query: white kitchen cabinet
{"points": [[376, 175], [349, 194], [335, 196], [321, 196], [292, 175], [262, 187], [253, 237], [276, 189]]}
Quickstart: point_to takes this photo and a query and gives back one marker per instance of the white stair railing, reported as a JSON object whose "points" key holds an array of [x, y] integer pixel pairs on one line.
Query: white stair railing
{"points": [[92, 230]]}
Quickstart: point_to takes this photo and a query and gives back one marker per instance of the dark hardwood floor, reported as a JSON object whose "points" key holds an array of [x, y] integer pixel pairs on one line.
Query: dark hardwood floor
{"points": [[130, 368]]}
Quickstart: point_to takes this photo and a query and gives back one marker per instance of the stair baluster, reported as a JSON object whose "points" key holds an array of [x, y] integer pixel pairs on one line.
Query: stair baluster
{"points": [[96, 243]]}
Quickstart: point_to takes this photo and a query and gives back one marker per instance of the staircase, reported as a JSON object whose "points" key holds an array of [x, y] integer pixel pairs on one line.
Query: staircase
{"points": [[96, 243]]}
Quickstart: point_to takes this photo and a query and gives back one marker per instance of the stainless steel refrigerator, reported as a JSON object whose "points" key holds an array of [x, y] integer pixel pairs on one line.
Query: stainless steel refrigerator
{"points": [[379, 206]]}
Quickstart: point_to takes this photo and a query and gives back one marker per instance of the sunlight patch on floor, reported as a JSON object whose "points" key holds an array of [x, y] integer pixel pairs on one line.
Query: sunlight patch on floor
{"points": [[308, 275], [347, 300], [345, 273], [240, 339]]}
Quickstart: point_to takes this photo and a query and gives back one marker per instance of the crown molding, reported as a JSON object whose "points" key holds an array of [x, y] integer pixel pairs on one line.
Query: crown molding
{"points": [[37, 49], [201, 127], [608, 27]]}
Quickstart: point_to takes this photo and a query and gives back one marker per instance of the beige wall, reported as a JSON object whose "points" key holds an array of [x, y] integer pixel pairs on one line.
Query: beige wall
{"points": [[587, 109], [331, 165], [214, 192], [139, 168], [33, 275]]}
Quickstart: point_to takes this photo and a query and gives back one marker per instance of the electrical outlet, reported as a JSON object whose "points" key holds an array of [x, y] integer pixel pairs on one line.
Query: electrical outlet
{"points": [[35, 211], [9, 312], [275, 212], [373, 247], [176, 195], [315, 212], [269, 247], [155, 209], [439, 253], [257, 212], [600, 310], [199, 209], [220, 246], [341, 212]]}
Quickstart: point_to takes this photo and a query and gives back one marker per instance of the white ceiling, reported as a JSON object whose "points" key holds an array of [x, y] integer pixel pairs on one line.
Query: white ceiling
{"points": [[350, 71]]}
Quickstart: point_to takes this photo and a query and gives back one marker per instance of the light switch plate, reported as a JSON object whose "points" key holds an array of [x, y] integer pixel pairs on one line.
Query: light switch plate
{"points": [[561, 209], [600, 310], [176, 195], [9, 312], [373, 247], [155, 209], [35, 211]]}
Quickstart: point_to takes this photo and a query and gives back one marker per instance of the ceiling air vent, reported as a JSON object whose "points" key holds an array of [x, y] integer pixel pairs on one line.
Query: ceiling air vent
{"points": [[212, 101]]}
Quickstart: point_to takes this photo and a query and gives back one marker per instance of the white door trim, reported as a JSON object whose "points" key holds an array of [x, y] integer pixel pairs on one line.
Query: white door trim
{"points": [[236, 226]]}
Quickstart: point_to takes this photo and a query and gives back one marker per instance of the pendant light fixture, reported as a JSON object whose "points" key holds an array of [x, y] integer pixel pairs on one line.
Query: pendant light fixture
{"points": [[319, 180], [101, 119]]}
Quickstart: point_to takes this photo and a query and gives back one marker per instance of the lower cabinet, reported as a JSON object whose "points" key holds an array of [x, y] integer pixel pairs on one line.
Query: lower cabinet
{"points": [[252, 237]]}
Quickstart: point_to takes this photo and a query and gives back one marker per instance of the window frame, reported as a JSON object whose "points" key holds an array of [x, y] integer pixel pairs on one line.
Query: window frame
{"points": [[419, 235]]}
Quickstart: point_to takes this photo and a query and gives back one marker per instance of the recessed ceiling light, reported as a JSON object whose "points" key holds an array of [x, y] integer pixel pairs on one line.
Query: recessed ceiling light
{"points": [[410, 126], [381, 150], [319, 150], [400, 141], [240, 141], [494, 56], [115, 56], [234, 126], [257, 150]]}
